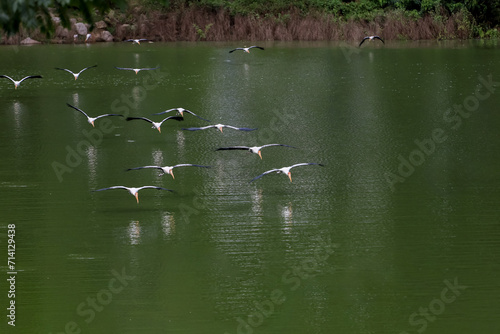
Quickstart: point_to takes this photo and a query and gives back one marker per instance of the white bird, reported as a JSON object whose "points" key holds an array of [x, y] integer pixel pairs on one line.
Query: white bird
{"points": [[137, 40], [88, 37], [156, 124], [285, 170], [247, 50], [252, 149], [91, 120], [181, 111], [218, 126], [371, 38], [17, 83], [75, 74], [137, 70], [133, 191], [169, 169]]}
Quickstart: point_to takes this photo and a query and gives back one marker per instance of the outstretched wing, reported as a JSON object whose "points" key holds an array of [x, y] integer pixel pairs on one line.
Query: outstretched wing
{"points": [[378, 37], [265, 173], [105, 115], [364, 39], [177, 118], [255, 46], [192, 113], [64, 69], [269, 145], [190, 165], [306, 164], [200, 128], [144, 167], [245, 148], [86, 68], [110, 188], [153, 187], [143, 118], [80, 110], [30, 77], [241, 129]]}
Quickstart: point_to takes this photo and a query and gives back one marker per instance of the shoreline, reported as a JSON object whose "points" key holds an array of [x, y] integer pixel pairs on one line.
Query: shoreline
{"points": [[202, 24]]}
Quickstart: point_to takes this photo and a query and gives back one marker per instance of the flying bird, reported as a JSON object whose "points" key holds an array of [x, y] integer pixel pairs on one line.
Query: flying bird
{"points": [[91, 120], [252, 149], [17, 83], [181, 111], [169, 169], [137, 70], [284, 170], [75, 74], [371, 38], [133, 191], [137, 40], [156, 125], [218, 126], [247, 50]]}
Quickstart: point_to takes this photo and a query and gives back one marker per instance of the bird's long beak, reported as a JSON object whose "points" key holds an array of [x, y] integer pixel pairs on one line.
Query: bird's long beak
{"points": [[290, 176], [172, 173], [220, 128], [159, 129], [260, 155], [136, 72], [92, 124], [137, 197], [247, 51]]}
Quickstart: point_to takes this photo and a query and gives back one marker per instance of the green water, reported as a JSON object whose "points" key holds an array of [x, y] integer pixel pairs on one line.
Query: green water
{"points": [[397, 233]]}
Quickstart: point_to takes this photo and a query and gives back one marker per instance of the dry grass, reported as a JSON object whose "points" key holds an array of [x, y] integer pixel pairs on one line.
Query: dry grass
{"points": [[221, 26]]}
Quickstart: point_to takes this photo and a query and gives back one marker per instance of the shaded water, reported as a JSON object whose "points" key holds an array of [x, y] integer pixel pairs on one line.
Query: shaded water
{"points": [[399, 231]]}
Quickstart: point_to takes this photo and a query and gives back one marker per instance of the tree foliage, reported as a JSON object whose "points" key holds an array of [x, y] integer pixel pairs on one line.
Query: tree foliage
{"points": [[33, 14]]}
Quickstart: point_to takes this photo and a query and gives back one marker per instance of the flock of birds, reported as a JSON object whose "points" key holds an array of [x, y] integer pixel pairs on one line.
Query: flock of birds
{"points": [[134, 191]]}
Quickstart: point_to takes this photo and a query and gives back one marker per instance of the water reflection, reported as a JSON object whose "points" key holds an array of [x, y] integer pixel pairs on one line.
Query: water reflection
{"points": [[91, 153], [167, 224], [134, 232], [257, 203], [287, 216]]}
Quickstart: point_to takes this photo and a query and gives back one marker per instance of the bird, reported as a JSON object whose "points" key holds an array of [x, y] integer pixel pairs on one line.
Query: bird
{"points": [[252, 149], [169, 169], [156, 124], [137, 70], [219, 126], [181, 112], [91, 120], [247, 50], [75, 74], [87, 37], [133, 191], [137, 40], [17, 83], [285, 170], [371, 38]]}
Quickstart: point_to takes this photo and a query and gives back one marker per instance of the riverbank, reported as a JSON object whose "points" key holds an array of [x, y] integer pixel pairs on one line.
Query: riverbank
{"points": [[195, 23]]}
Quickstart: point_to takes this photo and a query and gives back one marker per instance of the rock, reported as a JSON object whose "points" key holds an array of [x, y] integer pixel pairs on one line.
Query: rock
{"points": [[56, 20], [81, 29], [106, 36], [29, 41], [101, 25]]}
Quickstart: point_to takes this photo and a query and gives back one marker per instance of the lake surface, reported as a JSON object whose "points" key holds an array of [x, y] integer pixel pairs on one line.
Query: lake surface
{"points": [[398, 232]]}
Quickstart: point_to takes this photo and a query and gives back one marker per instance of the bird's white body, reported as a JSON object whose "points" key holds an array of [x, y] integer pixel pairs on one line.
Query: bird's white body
{"points": [[218, 126], [75, 75], [247, 49], [181, 111], [285, 170], [168, 169], [91, 120], [252, 149], [136, 70], [17, 83], [156, 125], [133, 191]]}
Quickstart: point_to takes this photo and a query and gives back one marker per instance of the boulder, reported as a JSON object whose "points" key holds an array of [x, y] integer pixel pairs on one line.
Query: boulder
{"points": [[106, 36], [101, 25], [81, 29], [29, 40]]}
